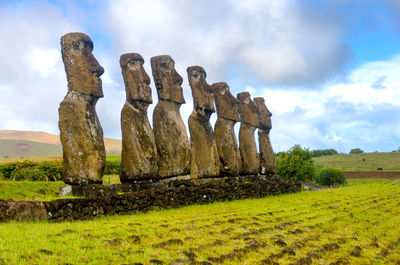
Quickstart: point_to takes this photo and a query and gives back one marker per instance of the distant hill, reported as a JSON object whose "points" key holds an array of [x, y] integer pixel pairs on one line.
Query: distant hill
{"points": [[361, 162], [40, 137], [27, 143], [22, 148]]}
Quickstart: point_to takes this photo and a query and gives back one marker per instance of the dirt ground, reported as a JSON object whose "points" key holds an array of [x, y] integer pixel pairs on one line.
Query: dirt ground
{"points": [[372, 174]]}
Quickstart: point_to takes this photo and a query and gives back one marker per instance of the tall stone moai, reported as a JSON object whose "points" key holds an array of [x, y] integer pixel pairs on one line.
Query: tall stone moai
{"points": [[224, 134], [139, 152], [84, 155], [205, 158], [267, 156], [174, 152], [250, 162]]}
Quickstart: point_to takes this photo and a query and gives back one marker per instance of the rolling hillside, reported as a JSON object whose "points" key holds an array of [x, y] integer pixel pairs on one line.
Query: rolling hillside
{"points": [[22, 148], [361, 162], [27, 144]]}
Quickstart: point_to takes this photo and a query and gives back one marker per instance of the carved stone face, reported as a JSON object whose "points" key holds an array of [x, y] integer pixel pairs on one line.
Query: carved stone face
{"points": [[248, 110], [137, 82], [227, 105], [201, 91], [167, 80], [264, 114], [83, 70]]}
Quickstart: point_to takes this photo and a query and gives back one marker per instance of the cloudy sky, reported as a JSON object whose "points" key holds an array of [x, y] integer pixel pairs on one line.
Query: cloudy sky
{"points": [[328, 70]]}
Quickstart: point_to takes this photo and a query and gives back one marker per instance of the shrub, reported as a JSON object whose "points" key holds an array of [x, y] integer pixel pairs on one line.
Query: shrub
{"points": [[112, 167], [356, 151], [326, 152], [296, 164], [28, 170], [46, 170], [330, 176], [51, 169]]}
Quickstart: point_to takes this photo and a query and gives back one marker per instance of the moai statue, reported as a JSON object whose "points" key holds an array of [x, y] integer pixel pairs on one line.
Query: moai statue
{"points": [[84, 155], [174, 152], [205, 158], [139, 152], [267, 157], [224, 134], [250, 164]]}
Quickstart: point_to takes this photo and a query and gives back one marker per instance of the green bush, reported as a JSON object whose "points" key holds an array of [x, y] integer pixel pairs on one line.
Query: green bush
{"points": [[296, 164], [326, 152], [112, 167], [28, 170], [330, 176], [45, 171], [356, 151], [52, 170]]}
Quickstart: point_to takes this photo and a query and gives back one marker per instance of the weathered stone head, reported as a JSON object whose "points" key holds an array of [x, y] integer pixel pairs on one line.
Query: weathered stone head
{"points": [[227, 105], [201, 91], [83, 70], [264, 114], [248, 110], [137, 82], [167, 80]]}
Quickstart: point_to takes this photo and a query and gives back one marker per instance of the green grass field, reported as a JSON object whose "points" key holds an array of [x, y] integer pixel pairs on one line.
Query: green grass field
{"points": [[39, 190], [357, 224], [386, 161]]}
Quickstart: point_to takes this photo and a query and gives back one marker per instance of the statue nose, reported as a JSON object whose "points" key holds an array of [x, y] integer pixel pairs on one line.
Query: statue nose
{"points": [[146, 78], [178, 79], [95, 66], [99, 71]]}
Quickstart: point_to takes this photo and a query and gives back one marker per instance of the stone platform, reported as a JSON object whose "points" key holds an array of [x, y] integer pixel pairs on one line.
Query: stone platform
{"points": [[180, 194], [93, 190]]}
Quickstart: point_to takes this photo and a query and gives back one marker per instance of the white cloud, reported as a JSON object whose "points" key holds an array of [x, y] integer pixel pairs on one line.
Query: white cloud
{"points": [[251, 90], [32, 77], [274, 40], [341, 115], [43, 61]]}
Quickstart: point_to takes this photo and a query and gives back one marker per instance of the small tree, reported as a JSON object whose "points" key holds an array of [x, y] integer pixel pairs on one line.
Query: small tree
{"points": [[356, 151], [330, 176], [325, 152], [296, 164]]}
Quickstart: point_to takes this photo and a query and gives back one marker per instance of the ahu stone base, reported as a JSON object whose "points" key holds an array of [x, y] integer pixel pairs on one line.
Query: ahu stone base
{"points": [[182, 193]]}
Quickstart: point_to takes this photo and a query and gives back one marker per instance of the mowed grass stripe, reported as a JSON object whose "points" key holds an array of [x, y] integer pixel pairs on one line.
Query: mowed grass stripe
{"points": [[324, 227]]}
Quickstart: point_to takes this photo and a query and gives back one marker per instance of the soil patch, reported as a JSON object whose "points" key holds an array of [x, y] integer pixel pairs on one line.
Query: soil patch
{"points": [[371, 174]]}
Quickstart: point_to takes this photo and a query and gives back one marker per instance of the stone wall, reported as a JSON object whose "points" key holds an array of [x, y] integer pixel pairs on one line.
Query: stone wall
{"points": [[142, 201]]}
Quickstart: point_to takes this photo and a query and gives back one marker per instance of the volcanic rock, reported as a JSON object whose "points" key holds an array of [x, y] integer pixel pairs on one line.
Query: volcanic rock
{"points": [[139, 152], [250, 162], [224, 135], [174, 152], [267, 156], [205, 158], [81, 135], [22, 211]]}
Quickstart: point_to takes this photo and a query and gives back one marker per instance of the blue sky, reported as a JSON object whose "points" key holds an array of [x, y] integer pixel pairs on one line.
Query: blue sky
{"points": [[328, 70]]}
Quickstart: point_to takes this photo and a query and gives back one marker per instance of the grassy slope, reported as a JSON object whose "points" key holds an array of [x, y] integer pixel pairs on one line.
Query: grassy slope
{"points": [[39, 190], [22, 148], [30, 190], [112, 145], [387, 161], [364, 215]]}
